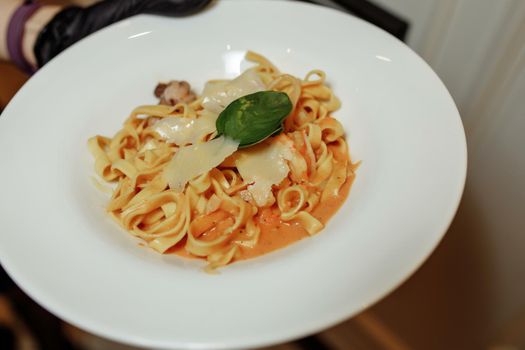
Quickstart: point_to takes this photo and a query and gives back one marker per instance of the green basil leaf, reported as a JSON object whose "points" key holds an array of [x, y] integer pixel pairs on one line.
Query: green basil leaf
{"points": [[252, 118]]}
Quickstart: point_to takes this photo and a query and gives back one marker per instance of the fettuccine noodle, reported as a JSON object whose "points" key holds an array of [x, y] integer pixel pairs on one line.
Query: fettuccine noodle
{"points": [[216, 217]]}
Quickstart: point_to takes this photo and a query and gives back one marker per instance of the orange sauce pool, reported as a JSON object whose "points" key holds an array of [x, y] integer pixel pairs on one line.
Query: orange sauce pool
{"points": [[275, 233]]}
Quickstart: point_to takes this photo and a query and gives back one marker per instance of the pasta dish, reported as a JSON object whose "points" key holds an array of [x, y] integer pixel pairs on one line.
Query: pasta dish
{"points": [[248, 166]]}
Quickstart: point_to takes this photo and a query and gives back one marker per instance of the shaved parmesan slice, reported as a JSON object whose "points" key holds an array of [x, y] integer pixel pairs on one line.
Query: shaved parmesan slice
{"points": [[263, 166], [217, 95], [183, 131], [191, 161]]}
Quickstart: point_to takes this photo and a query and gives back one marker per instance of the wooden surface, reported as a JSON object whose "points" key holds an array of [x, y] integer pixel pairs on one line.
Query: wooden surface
{"points": [[11, 79]]}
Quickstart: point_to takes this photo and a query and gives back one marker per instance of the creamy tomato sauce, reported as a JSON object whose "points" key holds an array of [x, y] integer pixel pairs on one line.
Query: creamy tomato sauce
{"points": [[276, 233]]}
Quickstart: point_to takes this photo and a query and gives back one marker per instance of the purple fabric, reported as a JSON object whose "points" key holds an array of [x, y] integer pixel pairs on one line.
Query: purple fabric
{"points": [[15, 34]]}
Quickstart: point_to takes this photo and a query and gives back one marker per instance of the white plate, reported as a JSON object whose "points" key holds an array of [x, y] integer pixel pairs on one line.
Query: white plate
{"points": [[59, 245]]}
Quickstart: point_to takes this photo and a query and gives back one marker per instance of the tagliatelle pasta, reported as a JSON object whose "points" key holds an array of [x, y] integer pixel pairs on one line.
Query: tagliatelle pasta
{"points": [[183, 188]]}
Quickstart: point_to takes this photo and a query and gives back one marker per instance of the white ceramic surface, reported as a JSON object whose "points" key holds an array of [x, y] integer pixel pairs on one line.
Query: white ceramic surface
{"points": [[59, 245]]}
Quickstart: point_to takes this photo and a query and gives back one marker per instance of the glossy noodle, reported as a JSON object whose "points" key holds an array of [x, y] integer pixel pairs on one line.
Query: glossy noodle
{"points": [[236, 203]]}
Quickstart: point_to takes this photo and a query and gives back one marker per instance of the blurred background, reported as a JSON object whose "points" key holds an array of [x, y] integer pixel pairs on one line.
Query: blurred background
{"points": [[470, 294]]}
